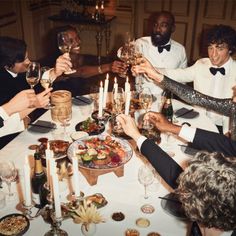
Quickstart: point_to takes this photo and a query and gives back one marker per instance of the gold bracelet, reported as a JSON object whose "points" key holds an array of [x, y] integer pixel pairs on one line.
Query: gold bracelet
{"points": [[100, 70]]}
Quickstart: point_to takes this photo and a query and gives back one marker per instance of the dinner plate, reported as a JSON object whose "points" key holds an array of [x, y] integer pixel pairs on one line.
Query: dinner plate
{"points": [[173, 206], [115, 160], [15, 220], [186, 113], [99, 130], [189, 150]]}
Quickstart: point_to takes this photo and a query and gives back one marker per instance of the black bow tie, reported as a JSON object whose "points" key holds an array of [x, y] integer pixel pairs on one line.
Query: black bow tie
{"points": [[161, 48], [214, 70]]}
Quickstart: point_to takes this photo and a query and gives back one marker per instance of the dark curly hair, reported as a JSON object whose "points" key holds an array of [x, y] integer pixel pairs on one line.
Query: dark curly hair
{"points": [[219, 34], [11, 51], [207, 190]]}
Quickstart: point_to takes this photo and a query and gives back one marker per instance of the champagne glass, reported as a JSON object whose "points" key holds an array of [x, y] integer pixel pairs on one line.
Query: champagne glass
{"points": [[118, 100], [145, 99], [46, 82], [145, 177], [33, 74], [65, 44], [118, 106], [8, 174], [64, 115]]}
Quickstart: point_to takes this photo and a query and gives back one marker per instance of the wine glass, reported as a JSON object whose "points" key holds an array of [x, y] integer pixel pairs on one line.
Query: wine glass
{"points": [[145, 177], [33, 74], [8, 174], [64, 115], [46, 82], [65, 44], [118, 96], [145, 99]]}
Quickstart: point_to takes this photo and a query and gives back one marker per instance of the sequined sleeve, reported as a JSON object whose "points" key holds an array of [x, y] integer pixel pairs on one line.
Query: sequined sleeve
{"points": [[193, 97]]}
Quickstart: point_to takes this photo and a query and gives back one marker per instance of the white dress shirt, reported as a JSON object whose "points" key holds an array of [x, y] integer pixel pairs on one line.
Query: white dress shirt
{"points": [[175, 58], [12, 124]]}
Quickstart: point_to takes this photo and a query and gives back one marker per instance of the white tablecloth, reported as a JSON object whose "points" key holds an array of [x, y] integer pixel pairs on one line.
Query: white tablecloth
{"points": [[123, 194]]}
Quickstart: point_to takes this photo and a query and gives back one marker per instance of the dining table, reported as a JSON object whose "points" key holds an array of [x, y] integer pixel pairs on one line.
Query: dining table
{"points": [[123, 194]]}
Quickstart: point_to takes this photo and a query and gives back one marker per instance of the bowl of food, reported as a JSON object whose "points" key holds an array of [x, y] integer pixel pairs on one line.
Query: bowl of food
{"points": [[90, 126]]}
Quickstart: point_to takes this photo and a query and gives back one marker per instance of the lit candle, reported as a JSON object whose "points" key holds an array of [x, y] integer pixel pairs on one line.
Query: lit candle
{"points": [[56, 195], [100, 100], [75, 175], [127, 85], [105, 90], [27, 182], [49, 155], [127, 102]]}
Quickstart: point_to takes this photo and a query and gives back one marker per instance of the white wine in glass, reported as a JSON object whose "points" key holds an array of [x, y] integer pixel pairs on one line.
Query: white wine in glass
{"points": [[33, 74]]}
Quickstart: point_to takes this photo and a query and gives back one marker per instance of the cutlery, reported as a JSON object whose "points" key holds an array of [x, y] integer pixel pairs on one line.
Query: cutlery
{"points": [[170, 199], [186, 112]]}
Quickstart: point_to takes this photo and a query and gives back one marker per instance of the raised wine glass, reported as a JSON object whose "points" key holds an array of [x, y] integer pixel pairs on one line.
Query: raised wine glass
{"points": [[65, 44], [46, 82], [33, 74], [118, 106], [145, 177], [8, 174], [145, 99]]}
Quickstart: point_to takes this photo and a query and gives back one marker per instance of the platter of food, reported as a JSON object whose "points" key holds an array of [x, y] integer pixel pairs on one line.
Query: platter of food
{"points": [[14, 224], [90, 126], [100, 152]]}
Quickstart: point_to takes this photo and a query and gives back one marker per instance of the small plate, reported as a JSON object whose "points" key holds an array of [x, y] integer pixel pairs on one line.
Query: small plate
{"points": [[82, 101], [186, 113], [15, 220], [173, 206], [78, 134], [99, 130]]}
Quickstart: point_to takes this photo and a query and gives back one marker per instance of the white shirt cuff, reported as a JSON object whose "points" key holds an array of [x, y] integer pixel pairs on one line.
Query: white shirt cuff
{"points": [[140, 141], [187, 133], [3, 114]]}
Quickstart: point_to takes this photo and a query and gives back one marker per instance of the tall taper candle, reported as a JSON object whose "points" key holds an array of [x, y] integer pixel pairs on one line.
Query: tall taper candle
{"points": [[127, 102], [27, 185], [127, 85], [75, 176], [100, 100], [105, 90]]}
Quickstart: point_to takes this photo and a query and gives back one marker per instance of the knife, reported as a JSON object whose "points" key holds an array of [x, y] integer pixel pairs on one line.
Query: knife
{"points": [[186, 112]]}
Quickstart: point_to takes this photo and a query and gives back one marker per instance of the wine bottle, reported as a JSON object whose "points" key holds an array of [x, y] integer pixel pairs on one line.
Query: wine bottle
{"points": [[167, 109], [38, 180]]}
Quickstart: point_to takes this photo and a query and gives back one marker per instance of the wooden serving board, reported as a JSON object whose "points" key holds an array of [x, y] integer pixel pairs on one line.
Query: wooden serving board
{"points": [[91, 175]]}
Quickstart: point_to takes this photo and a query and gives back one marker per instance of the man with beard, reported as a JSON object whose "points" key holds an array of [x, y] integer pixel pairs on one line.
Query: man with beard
{"points": [[159, 48]]}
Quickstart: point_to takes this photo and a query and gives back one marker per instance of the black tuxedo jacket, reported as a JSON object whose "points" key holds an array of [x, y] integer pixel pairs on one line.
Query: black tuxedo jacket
{"points": [[10, 86], [169, 170]]}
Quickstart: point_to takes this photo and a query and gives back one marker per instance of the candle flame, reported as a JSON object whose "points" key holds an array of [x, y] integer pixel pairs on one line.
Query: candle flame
{"points": [[107, 76], [101, 84], [127, 79], [115, 80]]}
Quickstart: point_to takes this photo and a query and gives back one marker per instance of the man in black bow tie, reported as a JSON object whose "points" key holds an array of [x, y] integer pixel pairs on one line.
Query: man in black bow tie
{"points": [[215, 75], [159, 48]]}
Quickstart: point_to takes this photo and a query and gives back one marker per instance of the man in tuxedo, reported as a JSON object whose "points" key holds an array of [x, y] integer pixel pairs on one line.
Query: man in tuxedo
{"points": [[204, 188], [216, 75], [159, 48]]}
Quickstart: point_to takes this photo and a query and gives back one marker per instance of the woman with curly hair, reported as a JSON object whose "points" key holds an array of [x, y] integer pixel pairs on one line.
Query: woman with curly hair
{"points": [[206, 188]]}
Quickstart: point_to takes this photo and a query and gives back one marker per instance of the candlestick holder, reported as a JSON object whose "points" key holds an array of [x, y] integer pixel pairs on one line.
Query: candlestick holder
{"points": [[55, 227], [28, 211], [106, 115]]}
